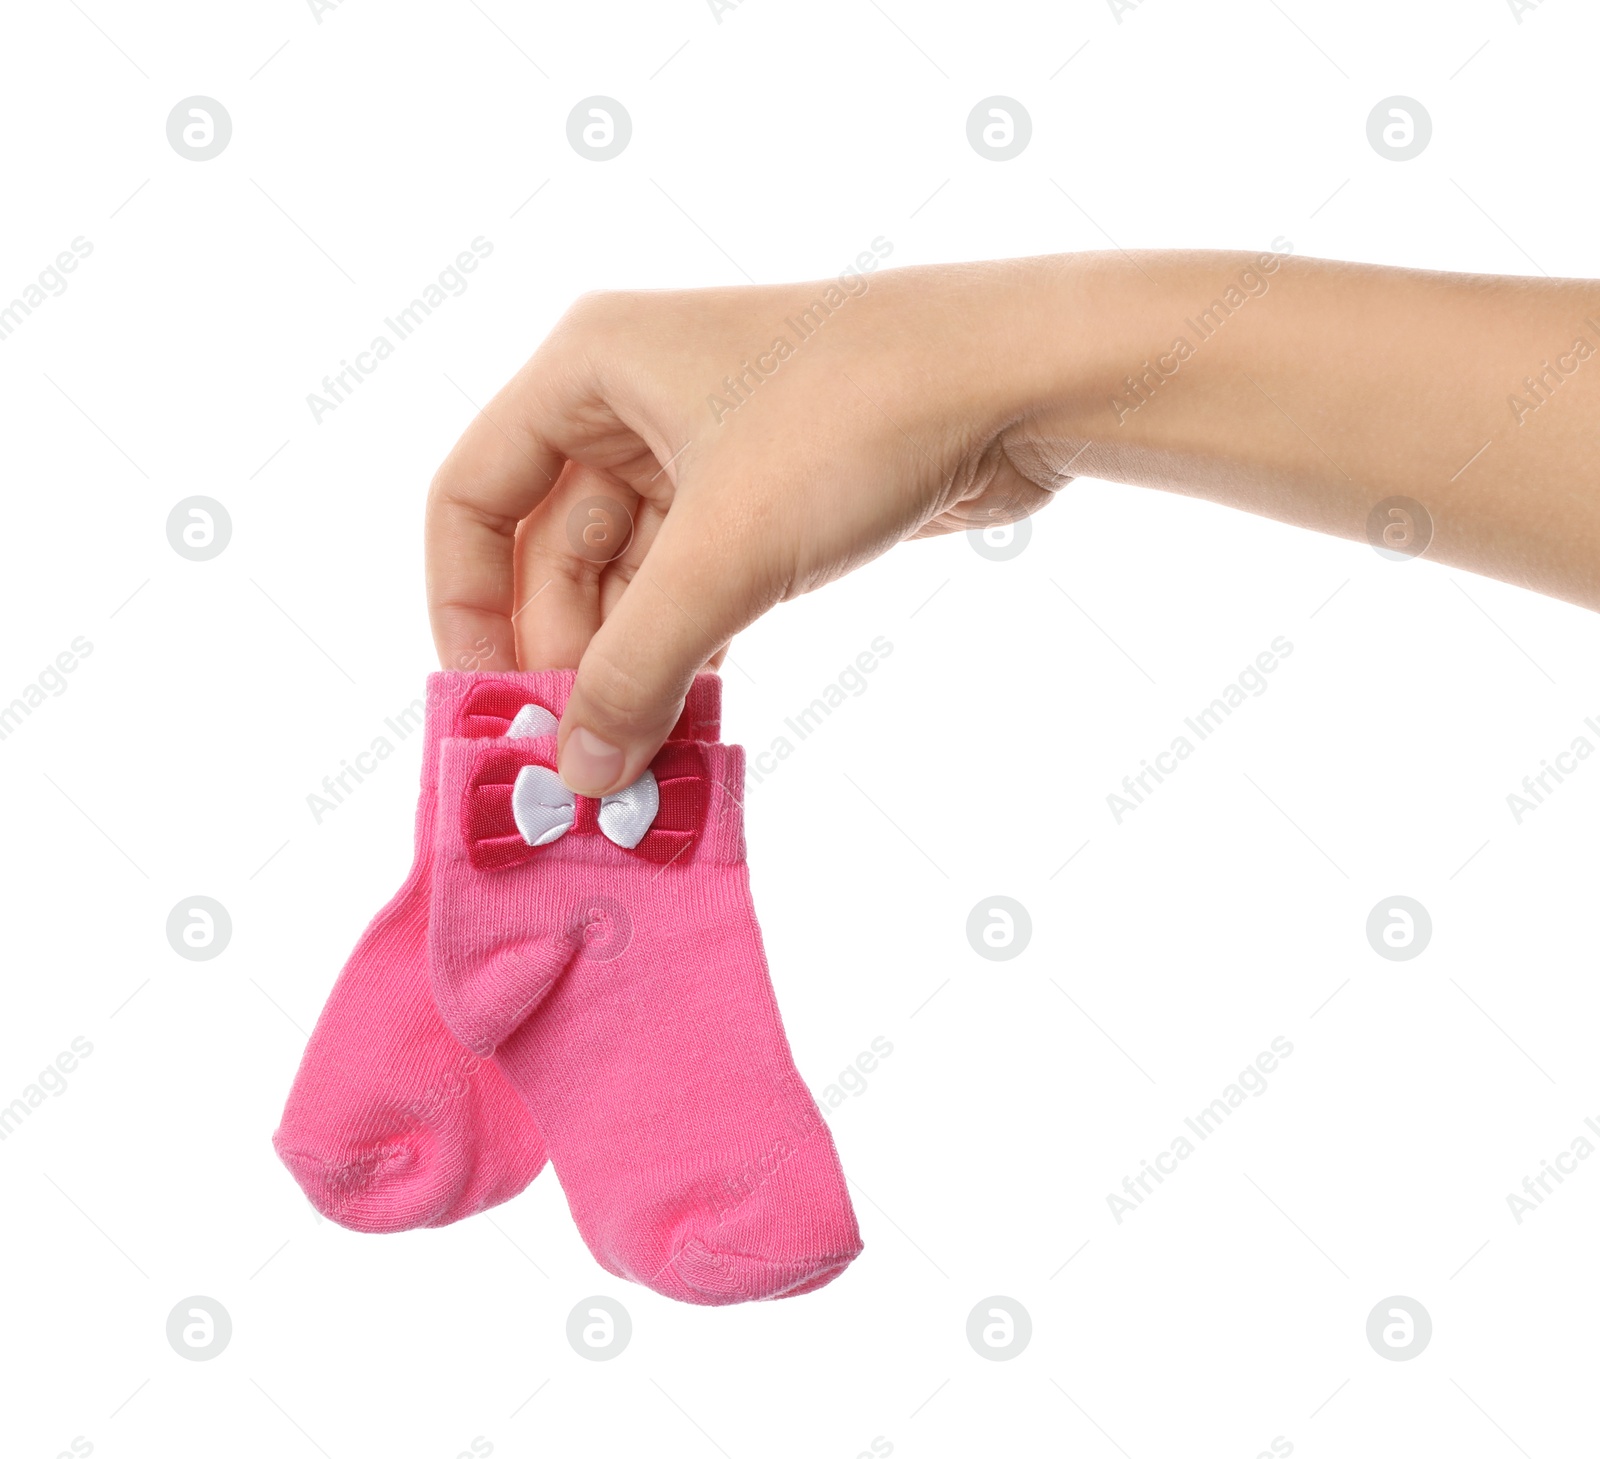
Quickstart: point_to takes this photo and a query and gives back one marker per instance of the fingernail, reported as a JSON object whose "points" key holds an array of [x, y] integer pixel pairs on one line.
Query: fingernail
{"points": [[589, 765]]}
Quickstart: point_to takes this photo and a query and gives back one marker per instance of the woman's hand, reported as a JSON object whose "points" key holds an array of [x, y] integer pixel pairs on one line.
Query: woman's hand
{"points": [[668, 466]]}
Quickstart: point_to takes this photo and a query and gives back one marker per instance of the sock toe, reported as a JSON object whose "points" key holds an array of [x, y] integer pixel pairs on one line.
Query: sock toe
{"points": [[395, 1171], [794, 1233], [720, 1278], [391, 1187]]}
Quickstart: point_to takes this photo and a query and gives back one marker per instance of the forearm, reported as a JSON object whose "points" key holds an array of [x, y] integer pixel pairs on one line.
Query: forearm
{"points": [[761, 442], [1315, 390]]}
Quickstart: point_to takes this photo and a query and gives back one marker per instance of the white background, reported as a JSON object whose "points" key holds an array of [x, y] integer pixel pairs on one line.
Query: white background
{"points": [[371, 146]]}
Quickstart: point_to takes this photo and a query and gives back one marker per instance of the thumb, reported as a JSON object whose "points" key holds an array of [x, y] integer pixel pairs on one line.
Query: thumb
{"points": [[693, 591]]}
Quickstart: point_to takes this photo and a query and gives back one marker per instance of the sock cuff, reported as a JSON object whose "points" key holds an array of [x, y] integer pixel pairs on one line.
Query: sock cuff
{"points": [[471, 705], [501, 805]]}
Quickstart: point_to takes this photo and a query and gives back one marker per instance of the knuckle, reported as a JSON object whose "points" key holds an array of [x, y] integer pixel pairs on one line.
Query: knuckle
{"points": [[595, 311]]}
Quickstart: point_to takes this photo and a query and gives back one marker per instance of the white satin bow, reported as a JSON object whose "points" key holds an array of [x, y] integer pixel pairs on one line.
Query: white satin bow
{"points": [[544, 808]]}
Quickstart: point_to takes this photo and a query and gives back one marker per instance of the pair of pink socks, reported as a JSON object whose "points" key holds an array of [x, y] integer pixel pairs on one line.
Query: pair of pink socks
{"points": [[580, 978]]}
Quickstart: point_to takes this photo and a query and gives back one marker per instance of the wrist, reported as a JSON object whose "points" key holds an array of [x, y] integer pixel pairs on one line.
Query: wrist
{"points": [[1120, 356]]}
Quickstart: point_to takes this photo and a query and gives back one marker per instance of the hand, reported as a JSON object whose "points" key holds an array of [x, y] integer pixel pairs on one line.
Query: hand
{"points": [[668, 466]]}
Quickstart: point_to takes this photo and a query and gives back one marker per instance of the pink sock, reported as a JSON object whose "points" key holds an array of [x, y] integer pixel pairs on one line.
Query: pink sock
{"points": [[608, 954], [391, 1124]]}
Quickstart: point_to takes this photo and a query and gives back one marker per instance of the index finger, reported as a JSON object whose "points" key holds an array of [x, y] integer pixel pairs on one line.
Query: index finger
{"points": [[503, 466]]}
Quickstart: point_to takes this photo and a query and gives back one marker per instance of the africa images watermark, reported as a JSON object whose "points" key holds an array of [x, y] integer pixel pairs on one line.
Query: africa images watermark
{"points": [[740, 387], [50, 284], [1550, 377], [1251, 1081], [1251, 682], [722, 1194], [50, 680], [1536, 788], [851, 1081], [1252, 283], [850, 683], [450, 283], [1536, 1187], [338, 788], [51, 1080]]}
